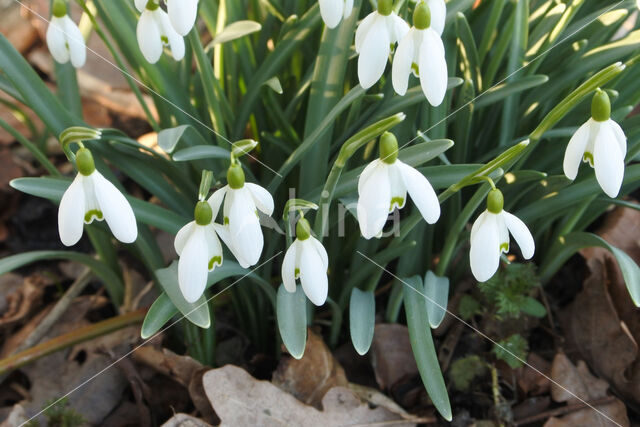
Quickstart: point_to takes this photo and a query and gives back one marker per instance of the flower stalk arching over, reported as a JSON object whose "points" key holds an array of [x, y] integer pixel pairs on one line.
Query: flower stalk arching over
{"points": [[383, 186], [421, 51], [307, 260], [64, 39], [241, 230], [92, 197], [200, 251], [154, 32], [333, 11], [374, 38], [490, 237], [601, 142]]}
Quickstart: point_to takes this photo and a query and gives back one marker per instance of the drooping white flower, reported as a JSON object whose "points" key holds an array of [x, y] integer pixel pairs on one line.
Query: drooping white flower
{"points": [[307, 260], [91, 196], [421, 50], [383, 186], [333, 11], [490, 237], [601, 143], [154, 32], [182, 14], [374, 37], [64, 38], [241, 230], [200, 252]]}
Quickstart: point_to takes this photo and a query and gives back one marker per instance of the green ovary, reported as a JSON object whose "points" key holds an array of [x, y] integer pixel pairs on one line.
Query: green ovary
{"points": [[588, 157], [93, 213], [216, 260]]}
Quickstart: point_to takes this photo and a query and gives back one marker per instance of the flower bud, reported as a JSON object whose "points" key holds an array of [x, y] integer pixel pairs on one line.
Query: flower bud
{"points": [[422, 16], [59, 9], [203, 213], [385, 7], [388, 148], [495, 201], [235, 176], [303, 229], [601, 106], [84, 162]]}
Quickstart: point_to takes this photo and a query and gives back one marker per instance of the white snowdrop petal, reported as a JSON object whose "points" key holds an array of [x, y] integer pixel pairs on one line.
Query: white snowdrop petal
{"points": [[398, 193], [261, 197], [182, 14], [244, 227], [348, 8], [484, 256], [421, 192], [77, 47], [71, 213], [116, 209], [192, 266], [402, 61], [366, 174], [575, 150], [149, 37], [620, 136], [289, 268], [373, 55], [364, 28], [214, 248], [373, 202], [176, 42], [520, 233], [57, 41], [478, 223], [397, 26], [182, 236], [503, 233], [438, 15], [322, 252], [331, 12], [313, 275], [216, 200], [608, 162], [433, 68], [141, 5]]}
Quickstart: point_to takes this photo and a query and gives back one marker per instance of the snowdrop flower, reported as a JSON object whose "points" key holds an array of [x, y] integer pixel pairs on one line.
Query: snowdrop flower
{"points": [[306, 259], [421, 51], [600, 142], [155, 31], [490, 237], [91, 196], [375, 36], [200, 251], [333, 11], [182, 14], [241, 231], [383, 186], [64, 38]]}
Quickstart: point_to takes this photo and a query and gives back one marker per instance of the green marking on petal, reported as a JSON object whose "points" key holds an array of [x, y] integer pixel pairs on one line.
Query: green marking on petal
{"points": [[216, 260], [504, 247], [226, 220], [416, 69], [587, 157], [164, 39], [93, 213], [396, 201], [296, 273]]}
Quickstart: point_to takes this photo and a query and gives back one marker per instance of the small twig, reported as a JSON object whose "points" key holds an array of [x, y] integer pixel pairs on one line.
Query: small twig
{"points": [[564, 410]]}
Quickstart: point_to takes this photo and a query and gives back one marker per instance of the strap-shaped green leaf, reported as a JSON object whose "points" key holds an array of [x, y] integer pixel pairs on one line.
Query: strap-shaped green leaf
{"points": [[291, 310], [436, 290], [362, 319]]}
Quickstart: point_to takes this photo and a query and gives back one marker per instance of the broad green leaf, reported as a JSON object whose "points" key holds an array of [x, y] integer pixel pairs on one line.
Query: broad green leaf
{"points": [[362, 319], [110, 280], [235, 31], [436, 290], [568, 245], [196, 312], [291, 311], [422, 345]]}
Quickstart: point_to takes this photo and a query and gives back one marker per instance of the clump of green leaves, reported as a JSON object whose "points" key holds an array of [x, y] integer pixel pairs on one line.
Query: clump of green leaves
{"points": [[463, 371], [59, 414], [512, 350]]}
